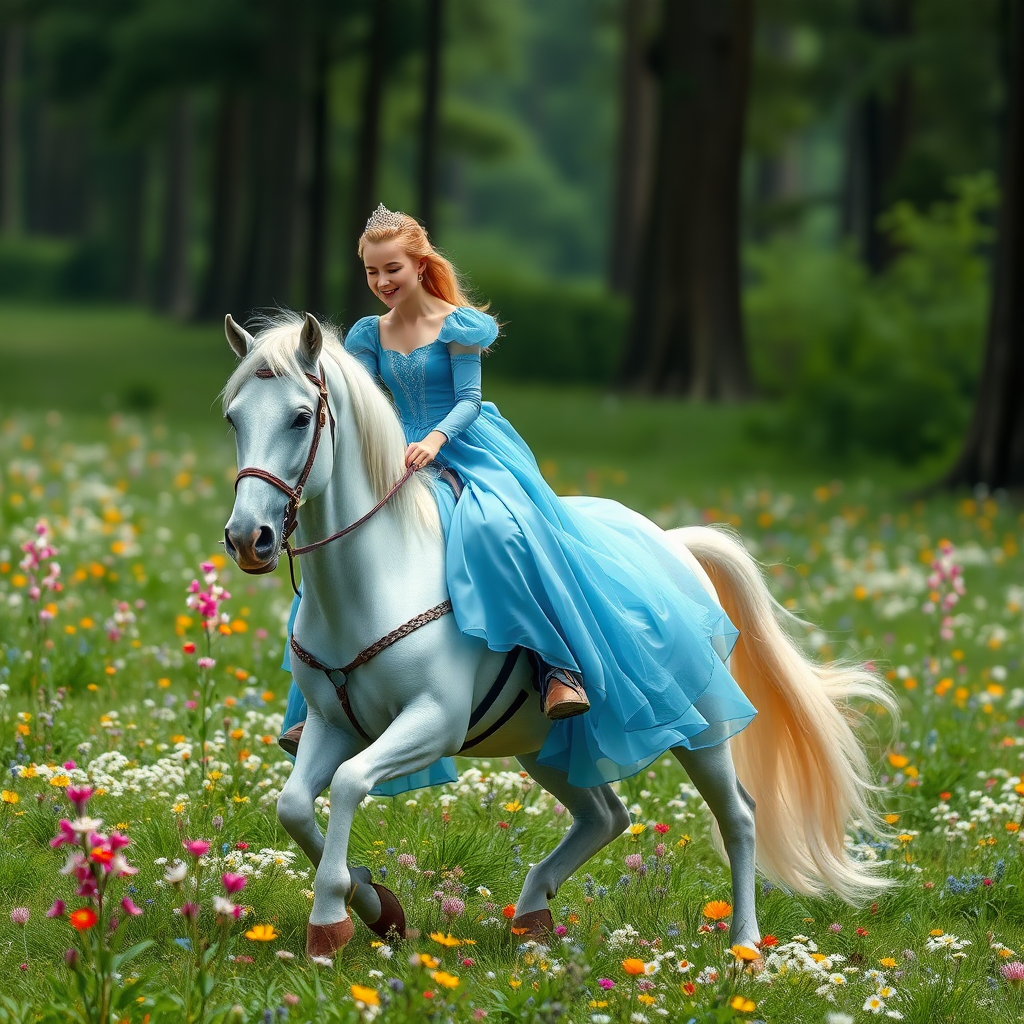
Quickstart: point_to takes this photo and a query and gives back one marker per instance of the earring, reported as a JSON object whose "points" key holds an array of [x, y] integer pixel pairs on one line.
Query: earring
{"points": [[419, 277]]}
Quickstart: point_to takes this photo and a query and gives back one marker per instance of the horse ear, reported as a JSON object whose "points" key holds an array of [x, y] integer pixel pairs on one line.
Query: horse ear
{"points": [[311, 339], [240, 340]]}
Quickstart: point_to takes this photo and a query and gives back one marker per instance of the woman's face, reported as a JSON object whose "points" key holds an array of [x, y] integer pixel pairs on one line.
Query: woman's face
{"points": [[391, 273]]}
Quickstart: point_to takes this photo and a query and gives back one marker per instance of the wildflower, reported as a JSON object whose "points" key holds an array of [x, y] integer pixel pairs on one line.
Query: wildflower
{"points": [[512, 807], [452, 906], [509, 911], [873, 1004], [636, 828], [715, 910], [605, 983], [20, 915], [661, 828], [261, 933], [745, 954], [175, 873], [57, 910], [197, 847], [887, 961], [445, 940], [8, 796], [634, 861], [634, 966], [1013, 973], [363, 994], [83, 918], [445, 979], [767, 942], [688, 988], [742, 1004], [232, 883], [130, 908]]}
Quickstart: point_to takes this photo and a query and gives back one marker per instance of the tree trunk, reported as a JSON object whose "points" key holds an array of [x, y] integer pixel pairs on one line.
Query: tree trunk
{"points": [[433, 45], [11, 48], [276, 202], [173, 291], [131, 213], [227, 191], [993, 452], [686, 335], [878, 137], [316, 238], [637, 106], [368, 151]]}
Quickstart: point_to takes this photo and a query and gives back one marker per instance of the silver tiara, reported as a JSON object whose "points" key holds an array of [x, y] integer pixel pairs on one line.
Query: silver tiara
{"points": [[382, 217]]}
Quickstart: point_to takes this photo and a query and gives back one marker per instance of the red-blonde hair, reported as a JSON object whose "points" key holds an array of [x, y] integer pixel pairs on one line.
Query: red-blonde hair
{"points": [[440, 278]]}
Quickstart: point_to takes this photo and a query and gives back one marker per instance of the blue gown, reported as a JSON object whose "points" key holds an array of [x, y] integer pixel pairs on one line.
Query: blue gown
{"points": [[576, 580]]}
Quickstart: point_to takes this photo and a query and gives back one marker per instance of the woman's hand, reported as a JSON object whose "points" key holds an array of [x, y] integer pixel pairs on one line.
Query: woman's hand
{"points": [[422, 453]]}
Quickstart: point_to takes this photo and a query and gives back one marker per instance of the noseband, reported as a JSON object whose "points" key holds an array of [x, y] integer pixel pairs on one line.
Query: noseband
{"points": [[291, 515]]}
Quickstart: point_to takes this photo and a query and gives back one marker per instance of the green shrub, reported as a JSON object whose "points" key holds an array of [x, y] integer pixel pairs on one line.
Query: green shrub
{"points": [[884, 364], [49, 269], [554, 331]]}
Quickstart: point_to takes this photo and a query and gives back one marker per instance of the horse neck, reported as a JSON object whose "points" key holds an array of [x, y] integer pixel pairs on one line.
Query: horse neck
{"points": [[383, 561]]}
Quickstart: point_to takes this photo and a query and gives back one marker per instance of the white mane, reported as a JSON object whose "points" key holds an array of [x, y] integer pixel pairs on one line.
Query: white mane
{"points": [[381, 437]]}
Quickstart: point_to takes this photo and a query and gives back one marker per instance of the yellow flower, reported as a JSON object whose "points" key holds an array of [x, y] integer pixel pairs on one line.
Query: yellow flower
{"points": [[634, 966], [445, 940], [742, 1004], [745, 953], [905, 838], [684, 842], [715, 910], [9, 797], [446, 979], [891, 819], [60, 780], [261, 933], [636, 828], [646, 999], [936, 932], [366, 996], [887, 961], [898, 760], [512, 807], [426, 960], [514, 983]]}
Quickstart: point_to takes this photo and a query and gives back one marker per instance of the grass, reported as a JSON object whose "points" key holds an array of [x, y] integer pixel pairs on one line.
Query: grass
{"points": [[135, 502]]}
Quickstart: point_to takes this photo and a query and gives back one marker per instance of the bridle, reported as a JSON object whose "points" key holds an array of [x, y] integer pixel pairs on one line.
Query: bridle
{"points": [[291, 514]]}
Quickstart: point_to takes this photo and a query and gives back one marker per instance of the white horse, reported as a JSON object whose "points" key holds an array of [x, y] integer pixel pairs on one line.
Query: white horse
{"points": [[413, 702]]}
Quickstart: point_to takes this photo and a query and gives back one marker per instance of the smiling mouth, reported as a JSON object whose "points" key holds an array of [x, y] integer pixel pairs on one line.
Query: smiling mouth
{"points": [[387, 293]]}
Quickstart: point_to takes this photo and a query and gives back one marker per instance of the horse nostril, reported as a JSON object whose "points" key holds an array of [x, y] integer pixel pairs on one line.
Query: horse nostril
{"points": [[265, 543], [228, 546]]}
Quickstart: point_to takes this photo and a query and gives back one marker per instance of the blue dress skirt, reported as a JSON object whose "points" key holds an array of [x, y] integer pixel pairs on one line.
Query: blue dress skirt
{"points": [[577, 580]]}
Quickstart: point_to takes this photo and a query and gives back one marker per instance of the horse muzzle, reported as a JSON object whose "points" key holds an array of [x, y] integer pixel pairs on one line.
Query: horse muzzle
{"points": [[255, 551]]}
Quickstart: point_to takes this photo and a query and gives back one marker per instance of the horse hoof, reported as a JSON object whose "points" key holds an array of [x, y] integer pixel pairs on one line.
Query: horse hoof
{"points": [[327, 939], [391, 923], [537, 925]]}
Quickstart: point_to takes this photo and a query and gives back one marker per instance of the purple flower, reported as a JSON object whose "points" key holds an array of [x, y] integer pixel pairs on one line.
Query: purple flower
{"points": [[1013, 972], [20, 915], [605, 983], [57, 910], [452, 906]]}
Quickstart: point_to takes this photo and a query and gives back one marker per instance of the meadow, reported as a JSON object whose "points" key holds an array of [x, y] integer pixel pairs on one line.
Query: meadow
{"points": [[144, 877]]}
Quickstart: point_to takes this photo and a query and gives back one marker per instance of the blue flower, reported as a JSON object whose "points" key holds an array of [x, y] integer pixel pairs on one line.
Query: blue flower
{"points": [[184, 943]]}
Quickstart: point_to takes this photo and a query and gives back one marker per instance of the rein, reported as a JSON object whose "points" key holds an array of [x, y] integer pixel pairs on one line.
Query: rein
{"points": [[291, 515]]}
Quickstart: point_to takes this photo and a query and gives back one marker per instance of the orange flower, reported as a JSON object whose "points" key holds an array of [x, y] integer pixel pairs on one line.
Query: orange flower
{"points": [[364, 995], [742, 1004], [634, 966], [509, 911], [715, 910], [688, 988], [745, 953], [83, 918]]}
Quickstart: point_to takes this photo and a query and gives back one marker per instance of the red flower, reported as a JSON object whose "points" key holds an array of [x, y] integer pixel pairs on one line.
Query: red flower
{"points": [[189, 648], [83, 918], [862, 932], [689, 988], [509, 911], [767, 942], [661, 828]]}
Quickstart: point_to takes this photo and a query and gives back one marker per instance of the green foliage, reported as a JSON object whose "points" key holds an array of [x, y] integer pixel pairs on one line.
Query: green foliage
{"points": [[47, 269], [554, 330], [885, 364]]}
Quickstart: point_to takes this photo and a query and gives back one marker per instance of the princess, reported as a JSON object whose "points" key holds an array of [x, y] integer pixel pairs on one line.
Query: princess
{"points": [[571, 583]]}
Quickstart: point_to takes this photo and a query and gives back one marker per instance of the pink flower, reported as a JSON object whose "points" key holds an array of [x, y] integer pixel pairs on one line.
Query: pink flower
{"points": [[78, 795], [634, 861], [197, 847], [206, 662], [407, 860], [129, 908], [57, 910], [67, 834], [1013, 972], [20, 915], [190, 910], [118, 841], [605, 983], [561, 930], [232, 883], [452, 906]]}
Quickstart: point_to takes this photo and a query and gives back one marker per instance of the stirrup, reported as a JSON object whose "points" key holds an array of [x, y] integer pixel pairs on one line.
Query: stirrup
{"points": [[562, 694], [289, 742]]}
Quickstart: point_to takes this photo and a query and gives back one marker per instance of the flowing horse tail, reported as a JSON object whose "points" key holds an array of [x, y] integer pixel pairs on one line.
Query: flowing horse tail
{"points": [[800, 758]]}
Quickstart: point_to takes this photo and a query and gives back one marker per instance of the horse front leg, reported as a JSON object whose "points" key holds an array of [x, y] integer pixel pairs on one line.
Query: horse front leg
{"points": [[711, 770], [417, 737]]}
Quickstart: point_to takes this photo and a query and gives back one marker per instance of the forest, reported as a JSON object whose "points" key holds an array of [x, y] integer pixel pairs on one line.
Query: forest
{"points": [[799, 201]]}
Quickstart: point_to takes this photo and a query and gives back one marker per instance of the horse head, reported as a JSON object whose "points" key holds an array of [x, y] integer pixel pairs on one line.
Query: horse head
{"points": [[277, 404]]}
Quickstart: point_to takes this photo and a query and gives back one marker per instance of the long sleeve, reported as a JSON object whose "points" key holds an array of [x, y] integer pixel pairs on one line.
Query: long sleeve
{"points": [[466, 380]]}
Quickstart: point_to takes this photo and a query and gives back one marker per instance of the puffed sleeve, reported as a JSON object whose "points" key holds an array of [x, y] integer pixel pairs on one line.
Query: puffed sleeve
{"points": [[468, 326], [361, 342]]}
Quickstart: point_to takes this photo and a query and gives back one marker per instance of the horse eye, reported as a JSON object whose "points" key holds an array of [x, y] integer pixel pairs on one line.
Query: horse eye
{"points": [[231, 422], [302, 420]]}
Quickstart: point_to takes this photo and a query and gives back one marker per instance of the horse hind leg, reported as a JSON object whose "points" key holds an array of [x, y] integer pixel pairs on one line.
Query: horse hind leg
{"points": [[598, 817], [711, 770]]}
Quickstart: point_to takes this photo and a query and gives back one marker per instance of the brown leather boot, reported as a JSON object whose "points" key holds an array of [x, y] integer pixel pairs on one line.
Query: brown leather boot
{"points": [[289, 742], [562, 694]]}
